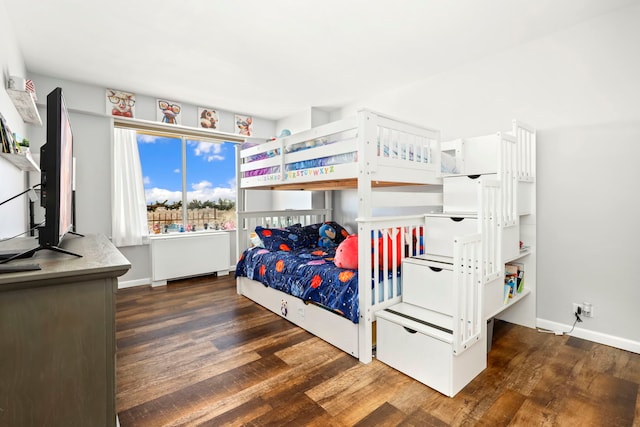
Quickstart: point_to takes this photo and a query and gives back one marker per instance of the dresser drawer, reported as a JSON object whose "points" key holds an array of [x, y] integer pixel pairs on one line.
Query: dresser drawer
{"points": [[428, 284], [440, 231]]}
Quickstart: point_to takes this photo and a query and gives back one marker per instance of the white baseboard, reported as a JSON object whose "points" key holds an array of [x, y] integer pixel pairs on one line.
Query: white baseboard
{"points": [[132, 283], [599, 337], [147, 281]]}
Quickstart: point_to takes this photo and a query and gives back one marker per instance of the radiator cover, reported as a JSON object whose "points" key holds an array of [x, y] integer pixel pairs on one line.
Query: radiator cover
{"points": [[175, 256]]}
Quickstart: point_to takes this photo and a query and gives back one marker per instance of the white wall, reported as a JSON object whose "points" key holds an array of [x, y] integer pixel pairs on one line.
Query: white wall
{"points": [[14, 214], [580, 89], [303, 120]]}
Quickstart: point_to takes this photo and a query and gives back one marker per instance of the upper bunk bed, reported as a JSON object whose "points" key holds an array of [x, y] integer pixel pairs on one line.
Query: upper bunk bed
{"points": [[368, 150]]}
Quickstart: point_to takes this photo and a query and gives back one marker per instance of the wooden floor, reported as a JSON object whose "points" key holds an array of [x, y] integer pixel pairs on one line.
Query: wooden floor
{"points": [[196, 353]]}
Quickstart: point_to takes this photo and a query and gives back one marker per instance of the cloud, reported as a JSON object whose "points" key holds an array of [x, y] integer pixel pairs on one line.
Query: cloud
{"points": [[147, 139], [176, 171], [210, 151], [146, 180], [200, 186], [201, 191], [204, 191], [160, 195]]}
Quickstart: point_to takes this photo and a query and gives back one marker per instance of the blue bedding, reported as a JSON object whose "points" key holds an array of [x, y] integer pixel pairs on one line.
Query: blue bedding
{"points": [[307, 273]]}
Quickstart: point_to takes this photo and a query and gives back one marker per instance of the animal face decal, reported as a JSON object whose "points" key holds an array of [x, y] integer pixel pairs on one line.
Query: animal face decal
{"points": [[120, 103], [169, 112], [244, 125], [208, 118]]}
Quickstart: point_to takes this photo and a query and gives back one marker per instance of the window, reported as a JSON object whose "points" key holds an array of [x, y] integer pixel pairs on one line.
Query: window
{"points": [[189, 183]]}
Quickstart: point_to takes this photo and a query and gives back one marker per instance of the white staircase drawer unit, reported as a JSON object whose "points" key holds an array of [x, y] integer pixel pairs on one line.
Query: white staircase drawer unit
{"points": [[407, 343], [462, 193], [441, 229], [428, 284]]}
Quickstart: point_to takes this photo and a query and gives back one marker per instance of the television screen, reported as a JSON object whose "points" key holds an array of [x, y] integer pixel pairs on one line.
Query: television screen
{"points": [[56, 165]]}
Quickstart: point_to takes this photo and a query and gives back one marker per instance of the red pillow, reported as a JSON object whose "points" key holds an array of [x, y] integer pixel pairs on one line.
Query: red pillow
{"points": [[347, 253]]}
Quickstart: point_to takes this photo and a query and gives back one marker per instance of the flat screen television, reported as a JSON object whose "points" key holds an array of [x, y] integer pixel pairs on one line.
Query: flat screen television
{"points": [[56, 179]]}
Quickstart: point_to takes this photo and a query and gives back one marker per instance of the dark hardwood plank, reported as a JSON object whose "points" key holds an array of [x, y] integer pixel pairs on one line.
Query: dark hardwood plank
{"points": [[194, 353], [383, 415]]}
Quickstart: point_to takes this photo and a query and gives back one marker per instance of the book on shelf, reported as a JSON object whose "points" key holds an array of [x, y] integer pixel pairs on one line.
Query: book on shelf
{"points": [[507, 294], [8, 142], [514, 276]]}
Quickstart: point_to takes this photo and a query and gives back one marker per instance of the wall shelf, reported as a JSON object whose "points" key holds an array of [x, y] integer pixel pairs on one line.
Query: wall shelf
{"points": [[26, 106], [22, 161], [516, 298]]}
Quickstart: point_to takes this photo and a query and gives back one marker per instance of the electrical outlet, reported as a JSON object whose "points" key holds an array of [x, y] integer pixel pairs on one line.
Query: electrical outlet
{"points": [[577, 308], [585, 309]]}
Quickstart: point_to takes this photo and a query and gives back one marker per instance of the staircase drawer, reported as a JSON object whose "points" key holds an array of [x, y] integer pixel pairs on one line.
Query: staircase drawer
{"points": [[428, 284], [440, 231], [462, 193]]}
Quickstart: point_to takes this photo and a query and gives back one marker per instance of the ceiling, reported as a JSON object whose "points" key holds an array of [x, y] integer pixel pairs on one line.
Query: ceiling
{"points": [[274, 58]]}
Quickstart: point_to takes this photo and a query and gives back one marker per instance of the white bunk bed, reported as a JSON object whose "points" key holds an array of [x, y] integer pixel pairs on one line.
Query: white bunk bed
{"points": [[383, 158], [369, 152]]}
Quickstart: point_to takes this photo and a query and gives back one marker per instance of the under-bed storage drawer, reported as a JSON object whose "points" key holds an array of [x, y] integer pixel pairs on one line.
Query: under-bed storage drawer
{"points": [[406, 342], [441, 229], [428, 284], [416, 353], [462, 193]]}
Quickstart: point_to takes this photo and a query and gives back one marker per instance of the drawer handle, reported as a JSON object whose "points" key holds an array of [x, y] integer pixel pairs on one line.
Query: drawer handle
{"points": [[473, 176], [456, 219], [411, 331], [436, 269]]}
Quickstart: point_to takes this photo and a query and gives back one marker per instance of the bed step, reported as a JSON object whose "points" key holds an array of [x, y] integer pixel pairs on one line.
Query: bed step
{"points": [[425, 321]]}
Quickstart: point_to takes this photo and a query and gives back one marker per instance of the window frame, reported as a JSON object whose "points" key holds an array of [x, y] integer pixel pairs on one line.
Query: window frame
{"points": [[184, 134]]}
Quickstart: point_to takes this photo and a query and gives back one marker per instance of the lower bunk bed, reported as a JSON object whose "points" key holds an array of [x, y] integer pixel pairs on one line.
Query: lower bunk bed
{"points": [[287, 273]]}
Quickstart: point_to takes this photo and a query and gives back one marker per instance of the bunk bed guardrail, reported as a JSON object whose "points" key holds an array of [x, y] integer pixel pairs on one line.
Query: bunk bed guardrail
{"points": [[490, 229], [467, 292], [392, 238], [249, 220], [526, 137], [507, 174], [398, 144], [378, 145]]}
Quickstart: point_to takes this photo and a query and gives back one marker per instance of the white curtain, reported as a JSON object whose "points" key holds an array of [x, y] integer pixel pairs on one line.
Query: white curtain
{"points": [[129, 216]]}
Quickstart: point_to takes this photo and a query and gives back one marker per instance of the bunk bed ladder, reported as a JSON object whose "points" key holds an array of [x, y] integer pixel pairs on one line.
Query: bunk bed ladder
{"points": [[467, 292]]}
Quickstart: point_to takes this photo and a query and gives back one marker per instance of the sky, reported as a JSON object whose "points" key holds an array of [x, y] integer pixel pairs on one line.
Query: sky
{"points": [[210, 169]]}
